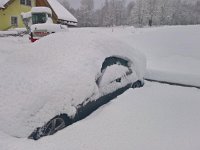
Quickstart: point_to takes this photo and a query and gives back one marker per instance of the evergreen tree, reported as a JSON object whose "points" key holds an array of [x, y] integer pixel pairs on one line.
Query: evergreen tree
{"points": [[86, 13]]}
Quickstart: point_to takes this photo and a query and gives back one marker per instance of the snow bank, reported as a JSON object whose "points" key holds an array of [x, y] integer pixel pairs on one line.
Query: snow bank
{"points": [[173, 53], [13, 32], [7, 33]]}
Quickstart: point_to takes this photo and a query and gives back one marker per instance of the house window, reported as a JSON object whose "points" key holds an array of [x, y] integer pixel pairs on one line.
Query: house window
{"points": [[39, 18], [25, 2], [14, 21], [28, 2]]}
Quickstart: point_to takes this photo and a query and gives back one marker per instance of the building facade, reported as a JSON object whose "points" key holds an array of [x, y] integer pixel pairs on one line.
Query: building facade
{"points": [[10, 13]]}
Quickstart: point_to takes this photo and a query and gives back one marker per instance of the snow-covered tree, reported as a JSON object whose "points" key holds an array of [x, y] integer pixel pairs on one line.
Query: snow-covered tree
{"points": [[120, 12], [152, 10], [138, 12], [106, 14], [164, 12], [129, 10], [86, 13]]}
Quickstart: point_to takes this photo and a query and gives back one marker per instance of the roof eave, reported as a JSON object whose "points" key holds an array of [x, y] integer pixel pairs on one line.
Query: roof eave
{"points": [[7, 4]]}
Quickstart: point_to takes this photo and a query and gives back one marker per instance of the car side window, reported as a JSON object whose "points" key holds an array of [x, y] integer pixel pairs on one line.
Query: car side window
{"points": [[113, 60]]}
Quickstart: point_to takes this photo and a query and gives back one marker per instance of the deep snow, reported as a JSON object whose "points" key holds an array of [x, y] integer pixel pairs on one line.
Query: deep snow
{"points": [[173, 52], [157, 116]]}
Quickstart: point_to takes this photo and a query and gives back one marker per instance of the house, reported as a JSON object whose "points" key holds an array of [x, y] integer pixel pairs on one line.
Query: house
{"points": [[10, 12], [60, 14]]}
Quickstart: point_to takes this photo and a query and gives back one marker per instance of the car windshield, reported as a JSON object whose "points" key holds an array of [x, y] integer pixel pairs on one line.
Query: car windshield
{"points": [[39, 18]]}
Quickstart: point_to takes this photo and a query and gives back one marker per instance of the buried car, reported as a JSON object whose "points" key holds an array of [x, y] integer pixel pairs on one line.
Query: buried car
{"points": [[39, 23], [63, 78]]}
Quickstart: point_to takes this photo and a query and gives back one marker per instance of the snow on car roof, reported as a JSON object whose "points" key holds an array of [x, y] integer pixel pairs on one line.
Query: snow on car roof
{"points": [[61, 12], [3, 2], [41, 9], [54, 75], [49, 27], [26, 15]]}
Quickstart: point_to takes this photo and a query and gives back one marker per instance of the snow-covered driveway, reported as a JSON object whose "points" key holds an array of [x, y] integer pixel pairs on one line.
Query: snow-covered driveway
{"points": [[155, 117], [158, 116]]}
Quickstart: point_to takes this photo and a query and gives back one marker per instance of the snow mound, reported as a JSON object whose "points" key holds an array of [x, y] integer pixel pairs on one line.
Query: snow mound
{"points": [[54, 75]]}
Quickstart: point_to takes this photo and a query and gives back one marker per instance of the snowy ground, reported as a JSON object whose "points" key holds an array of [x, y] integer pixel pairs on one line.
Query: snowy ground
{"points": [[157, 116], [173, 53]]}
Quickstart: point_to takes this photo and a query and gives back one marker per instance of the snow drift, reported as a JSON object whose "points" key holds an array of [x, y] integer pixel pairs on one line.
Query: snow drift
{"points": [[54, 75]]}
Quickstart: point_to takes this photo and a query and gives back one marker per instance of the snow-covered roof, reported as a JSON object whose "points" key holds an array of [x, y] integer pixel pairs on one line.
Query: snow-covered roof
{"points": [[61, 12], [3, 2]]}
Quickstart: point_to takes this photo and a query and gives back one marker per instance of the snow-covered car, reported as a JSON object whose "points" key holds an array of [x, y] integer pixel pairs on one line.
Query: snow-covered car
{"points": [[61, 79], [39, 23], [38, 31]]}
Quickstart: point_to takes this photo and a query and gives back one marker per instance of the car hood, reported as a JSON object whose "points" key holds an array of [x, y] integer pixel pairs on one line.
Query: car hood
{"points": [[54, 75]]}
